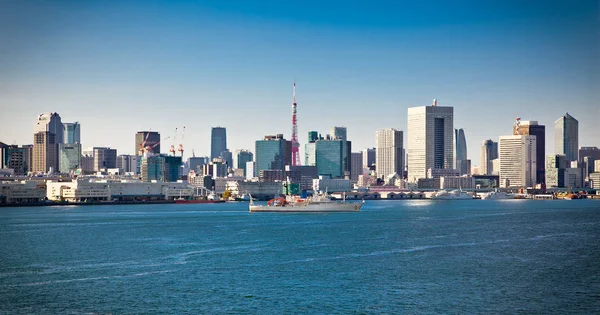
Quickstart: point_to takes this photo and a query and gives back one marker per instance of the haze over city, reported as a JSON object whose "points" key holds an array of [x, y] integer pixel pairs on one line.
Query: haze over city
{"points": [[118, 68]]}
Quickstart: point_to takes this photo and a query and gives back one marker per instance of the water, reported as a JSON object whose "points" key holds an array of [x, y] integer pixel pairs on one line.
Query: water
{"points": [[416, 256]]}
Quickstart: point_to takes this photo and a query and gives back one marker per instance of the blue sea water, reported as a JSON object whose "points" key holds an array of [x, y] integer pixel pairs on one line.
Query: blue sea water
{"points": [[479, 256]]}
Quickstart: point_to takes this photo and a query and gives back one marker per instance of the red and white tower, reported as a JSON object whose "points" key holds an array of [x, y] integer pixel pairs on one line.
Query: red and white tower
{"points": [[295, 144]]}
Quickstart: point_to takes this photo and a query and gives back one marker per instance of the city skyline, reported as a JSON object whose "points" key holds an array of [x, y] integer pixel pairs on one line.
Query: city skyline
{"points": [[492, 63]]}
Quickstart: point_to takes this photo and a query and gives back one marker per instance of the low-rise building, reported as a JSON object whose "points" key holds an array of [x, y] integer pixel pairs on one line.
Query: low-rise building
{"points": [[77, 191], [260, 190], [323, 184], [22, 192], [457, 182]]}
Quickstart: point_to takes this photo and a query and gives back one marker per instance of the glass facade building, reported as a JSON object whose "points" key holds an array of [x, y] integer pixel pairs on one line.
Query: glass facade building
{"points": [[69, 157], [566, 137], [330, 157], [72, 132], [218, 142], [272, 153]]}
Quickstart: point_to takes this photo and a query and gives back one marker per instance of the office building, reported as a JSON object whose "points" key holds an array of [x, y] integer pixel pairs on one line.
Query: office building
{"points": [[50, 122], [430, 139], [17, 158], [593, 152], [196, 163], [489, 152], [127, 163], [218, 142], [69, 157], [162, 168], [45, 155], [532, 128], [104, 158], [243, 157], [517, 161], [72, 132], [566, 136], [227, 158], [555, 170], [147, 140], [330, 158], [587, 164], [369, 159], [460, 152], [341, 133], [389, 159], [356, 169], [310, 149], [272, 153]]}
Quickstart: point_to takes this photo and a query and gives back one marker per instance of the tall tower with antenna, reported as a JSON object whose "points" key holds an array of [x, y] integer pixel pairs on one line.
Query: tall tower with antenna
{"points": [[295, 144]]}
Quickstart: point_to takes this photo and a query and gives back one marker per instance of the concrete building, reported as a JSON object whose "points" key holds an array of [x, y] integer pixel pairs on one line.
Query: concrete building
{"points": [[593, 152], [218, 142], [50, 122], [566, 136], [72, 132], [587, 165], [574, 178], [441, 172], [69, 157], [460, 152], [597, 166], [331, 185], [104, 158], [77, 191], [532, 128], [162, 168], [243, 157], [496, 166], [45, 155], [369, 159], [356, 159], [430, 139], [389, 158], [17, 158], [457, 182], [87, 163], [260, 190], [151, 139], [22, 192], [555, 170], [227, 158], [197, 162], [127, 163], [272, 153], [518, 163], [595, 180], [250, 167], [489, 152]]}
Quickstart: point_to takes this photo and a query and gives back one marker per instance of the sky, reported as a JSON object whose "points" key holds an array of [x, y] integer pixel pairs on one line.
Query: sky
{"points": [[118, 67]]}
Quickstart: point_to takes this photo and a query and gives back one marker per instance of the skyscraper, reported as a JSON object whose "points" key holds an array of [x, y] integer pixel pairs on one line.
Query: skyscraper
{"points": [[272, 153], [555, 170], [517, 161], [104, 158], [356, 159], [593, 152], [218, 142], [341, 133], [566, 136], [430, 139], [48, 133], [389, 159], [532, 128], [69, 157], [17, 158], [330, 157], [460, 152], [242, 158], [72, 132], [149, 139], [489, 152], [369, 157]]}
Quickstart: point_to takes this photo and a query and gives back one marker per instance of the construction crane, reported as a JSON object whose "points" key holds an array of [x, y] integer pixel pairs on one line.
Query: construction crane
{"points": [[181, 144], [172, 150], [142, 148]]}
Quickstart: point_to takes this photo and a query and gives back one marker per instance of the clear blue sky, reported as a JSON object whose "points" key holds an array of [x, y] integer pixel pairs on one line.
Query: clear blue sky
{"points": [[123, 66]]}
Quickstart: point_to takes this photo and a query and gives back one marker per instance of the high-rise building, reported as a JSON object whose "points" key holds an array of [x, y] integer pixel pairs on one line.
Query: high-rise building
{"points": [[430, 139], [104, 158], [341, 133], [162, 168], [50, 122], [196, 163], [45, 156], [310, 149], [127, 163], [588, 165], [243, 157], [389, 159], [369, 158], [69, 157], [566, 136], [532, 128], [272, 153], [218, 142], [460, 152], [517, 161], [148, 139], [17, 158], [593, 152], [330, 158], [555, 170], [72, 132], [48, 133], [356, 159], [227, 158], [489, 152]]}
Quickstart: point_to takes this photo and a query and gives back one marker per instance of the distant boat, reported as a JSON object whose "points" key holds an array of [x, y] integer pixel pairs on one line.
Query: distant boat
{"points": [[498, 195], [318, 203], [451, 195]]}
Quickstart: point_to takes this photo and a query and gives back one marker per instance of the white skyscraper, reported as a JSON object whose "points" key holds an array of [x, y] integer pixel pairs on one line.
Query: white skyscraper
{"points": [[518, 163], [430, 139], [389, 159]]}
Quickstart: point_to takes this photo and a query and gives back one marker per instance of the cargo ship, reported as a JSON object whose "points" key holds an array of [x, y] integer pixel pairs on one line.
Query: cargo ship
{"points": [[319, 203]]}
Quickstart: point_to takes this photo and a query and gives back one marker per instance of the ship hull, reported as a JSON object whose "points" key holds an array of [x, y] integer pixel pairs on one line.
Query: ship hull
{"points": [[325, 207]]}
